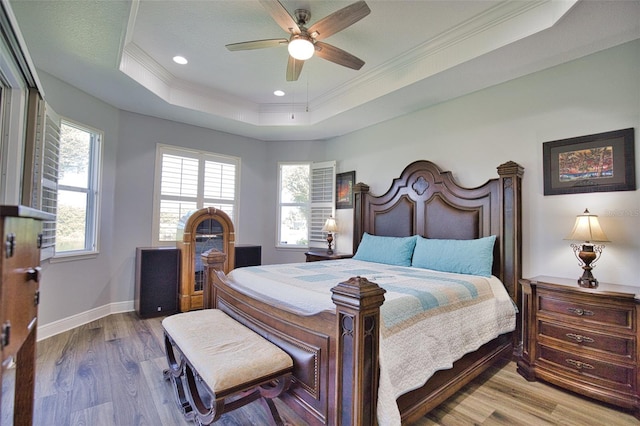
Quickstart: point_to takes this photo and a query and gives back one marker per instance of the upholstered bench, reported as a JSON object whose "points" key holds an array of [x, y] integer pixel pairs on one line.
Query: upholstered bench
{"points": [[217, 365]]}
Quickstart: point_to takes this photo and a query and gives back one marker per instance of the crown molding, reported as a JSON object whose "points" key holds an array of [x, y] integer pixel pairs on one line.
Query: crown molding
{"points": [[499, 26]]}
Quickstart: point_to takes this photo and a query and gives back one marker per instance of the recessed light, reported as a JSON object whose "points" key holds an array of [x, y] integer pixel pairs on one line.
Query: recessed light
{"points": [[278, 93], [180, 60]]}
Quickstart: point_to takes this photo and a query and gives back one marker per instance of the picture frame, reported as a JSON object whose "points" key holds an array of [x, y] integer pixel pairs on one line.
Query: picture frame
{"points": [[594, 163], [344, 189]]}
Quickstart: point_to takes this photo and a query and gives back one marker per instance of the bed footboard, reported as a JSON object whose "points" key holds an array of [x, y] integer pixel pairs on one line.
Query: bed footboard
{"points": [[335, 354]]}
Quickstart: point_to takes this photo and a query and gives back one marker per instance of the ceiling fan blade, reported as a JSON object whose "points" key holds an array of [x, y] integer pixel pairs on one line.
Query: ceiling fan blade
{"points": [[294, 67], [339, 20], [338, 56], [257, 44], [281, 16]]}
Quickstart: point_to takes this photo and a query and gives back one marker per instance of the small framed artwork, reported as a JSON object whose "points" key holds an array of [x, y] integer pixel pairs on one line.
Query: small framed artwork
{"points": [[593, 163], [344, 190]]}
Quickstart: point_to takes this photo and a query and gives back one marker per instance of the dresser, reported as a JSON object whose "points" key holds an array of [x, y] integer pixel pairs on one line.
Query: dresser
{"points": [[20, 251], [582, 339]]}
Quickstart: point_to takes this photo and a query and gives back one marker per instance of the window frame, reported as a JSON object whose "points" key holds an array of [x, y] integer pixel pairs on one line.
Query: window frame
{"points": [[310, 205], [201, 201], [93, 193]]}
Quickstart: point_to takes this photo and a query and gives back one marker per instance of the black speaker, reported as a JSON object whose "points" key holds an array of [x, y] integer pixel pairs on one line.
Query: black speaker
{"points": [[248, 255], [157, 281]]}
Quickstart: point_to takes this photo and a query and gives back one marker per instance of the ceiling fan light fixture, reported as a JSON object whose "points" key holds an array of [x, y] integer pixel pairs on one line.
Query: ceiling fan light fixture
{"points": [[300, 48]]}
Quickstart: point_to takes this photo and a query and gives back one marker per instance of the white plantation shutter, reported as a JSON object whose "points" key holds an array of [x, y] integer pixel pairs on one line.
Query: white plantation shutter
{"points": [[323, 183], [179, 176], [188, 180], [42, 149], [220, 186]]}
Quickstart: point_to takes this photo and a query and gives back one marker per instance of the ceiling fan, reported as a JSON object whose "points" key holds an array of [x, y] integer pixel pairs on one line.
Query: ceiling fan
{"points": [[308, 39]]}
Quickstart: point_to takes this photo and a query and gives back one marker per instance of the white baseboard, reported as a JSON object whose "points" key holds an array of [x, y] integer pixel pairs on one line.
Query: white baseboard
{"points": [[65, 324]]}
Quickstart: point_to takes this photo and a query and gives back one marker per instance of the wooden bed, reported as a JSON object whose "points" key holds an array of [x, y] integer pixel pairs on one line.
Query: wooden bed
{"points": [[336, 353]]}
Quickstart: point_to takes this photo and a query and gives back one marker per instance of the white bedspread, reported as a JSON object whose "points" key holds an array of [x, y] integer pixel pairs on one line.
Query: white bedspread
{"points": [[430, 319]]}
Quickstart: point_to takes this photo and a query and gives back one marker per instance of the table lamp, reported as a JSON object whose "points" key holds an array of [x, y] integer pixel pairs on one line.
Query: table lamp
{"points": [[587, 229], [330, 227]]}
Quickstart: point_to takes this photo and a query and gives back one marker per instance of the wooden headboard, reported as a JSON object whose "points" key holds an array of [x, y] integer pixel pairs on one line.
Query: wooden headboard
{"points": [[426, 201]]}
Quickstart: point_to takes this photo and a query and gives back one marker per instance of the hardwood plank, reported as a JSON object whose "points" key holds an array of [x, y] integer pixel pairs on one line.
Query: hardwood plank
{"points": [[92, 385], [99, 415], [130, 393], [161, 393]]}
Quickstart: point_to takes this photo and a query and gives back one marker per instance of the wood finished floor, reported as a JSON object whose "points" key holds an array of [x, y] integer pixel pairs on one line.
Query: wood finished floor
{"points": [[109, 372]]}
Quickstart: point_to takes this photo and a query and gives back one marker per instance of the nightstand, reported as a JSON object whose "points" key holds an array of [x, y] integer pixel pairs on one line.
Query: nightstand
{"points": [[316, 255], [582, 339]]}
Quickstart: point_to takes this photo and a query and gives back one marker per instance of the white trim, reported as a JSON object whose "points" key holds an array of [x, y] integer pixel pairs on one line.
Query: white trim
{"points": [[66, 324]]}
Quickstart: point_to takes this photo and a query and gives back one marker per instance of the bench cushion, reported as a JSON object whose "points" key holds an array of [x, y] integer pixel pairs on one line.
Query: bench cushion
{"points": [[225, 353]]}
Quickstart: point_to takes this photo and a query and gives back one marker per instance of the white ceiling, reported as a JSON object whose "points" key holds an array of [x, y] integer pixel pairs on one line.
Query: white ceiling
{"points": [[417, 53]]}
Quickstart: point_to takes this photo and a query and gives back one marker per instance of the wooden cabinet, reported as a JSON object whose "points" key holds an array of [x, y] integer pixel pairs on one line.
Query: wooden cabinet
{"points": [[203, 230], [317, 255], [582, 339], [20, 259]]}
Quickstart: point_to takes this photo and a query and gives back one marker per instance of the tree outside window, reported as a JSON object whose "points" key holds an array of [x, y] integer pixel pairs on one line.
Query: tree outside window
{"points": [[294, 204]]}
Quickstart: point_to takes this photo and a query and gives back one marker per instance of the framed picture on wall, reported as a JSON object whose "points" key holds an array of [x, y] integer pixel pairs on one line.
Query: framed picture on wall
{"points": [[344, 190], [593, 163]]}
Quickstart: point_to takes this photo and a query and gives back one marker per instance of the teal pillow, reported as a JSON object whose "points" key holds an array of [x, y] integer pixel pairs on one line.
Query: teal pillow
{"points": [[473, 257], [389, 250]]}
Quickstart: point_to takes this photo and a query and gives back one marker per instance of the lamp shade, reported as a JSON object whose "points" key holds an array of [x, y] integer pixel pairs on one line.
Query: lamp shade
{"points": [[330, 225], [301, 48], [587, 228]]}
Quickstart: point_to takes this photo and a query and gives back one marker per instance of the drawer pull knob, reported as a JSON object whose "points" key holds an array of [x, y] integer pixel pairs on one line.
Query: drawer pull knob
{"points": [[5, 338], [580, 312], [579, 338], [33, 274], [10, 245], [579, 364]]}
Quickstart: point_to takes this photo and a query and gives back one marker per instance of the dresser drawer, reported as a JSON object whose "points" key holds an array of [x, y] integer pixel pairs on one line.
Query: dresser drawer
{"points": [[619, 378], [621, 346], [583, 311]]}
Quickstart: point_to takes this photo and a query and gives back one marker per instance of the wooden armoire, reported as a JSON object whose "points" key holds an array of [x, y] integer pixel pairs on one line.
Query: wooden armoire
{"points": [[205, 229], [21, 230]]}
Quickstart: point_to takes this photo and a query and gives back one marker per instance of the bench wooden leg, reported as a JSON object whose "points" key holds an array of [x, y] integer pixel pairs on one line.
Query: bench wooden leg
{"points": [[175, 374], [270, 406]]}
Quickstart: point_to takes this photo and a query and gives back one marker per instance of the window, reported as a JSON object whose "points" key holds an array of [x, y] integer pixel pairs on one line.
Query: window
{"points": [[188, 180], [77, 195], [306, 199]]}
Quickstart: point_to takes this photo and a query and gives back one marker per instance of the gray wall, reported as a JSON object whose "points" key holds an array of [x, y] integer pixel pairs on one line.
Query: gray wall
{"points": [[473, 134], [470, 136], [74, 287]]}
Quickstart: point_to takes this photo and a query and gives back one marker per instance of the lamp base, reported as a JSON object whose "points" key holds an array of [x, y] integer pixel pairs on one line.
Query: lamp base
{"points": [[587, 279], [588, 255], [588, 282], [329, 241]]}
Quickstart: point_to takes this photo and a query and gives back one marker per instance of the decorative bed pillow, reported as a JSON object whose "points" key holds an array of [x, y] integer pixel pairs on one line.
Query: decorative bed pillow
{"points": [[389, 250], [473, 257]]}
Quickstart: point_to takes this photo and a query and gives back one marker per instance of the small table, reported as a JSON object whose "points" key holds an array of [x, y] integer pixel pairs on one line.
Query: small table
{"points": [[316, 255]]}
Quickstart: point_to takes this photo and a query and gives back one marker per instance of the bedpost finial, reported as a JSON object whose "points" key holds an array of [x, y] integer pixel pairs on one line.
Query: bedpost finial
{"points": [[360, 187], [510, 168], [358, 292]]}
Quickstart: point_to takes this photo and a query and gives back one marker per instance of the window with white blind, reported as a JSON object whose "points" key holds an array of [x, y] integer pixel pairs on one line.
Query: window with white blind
{"points": [[306, 198], [188, 180]]}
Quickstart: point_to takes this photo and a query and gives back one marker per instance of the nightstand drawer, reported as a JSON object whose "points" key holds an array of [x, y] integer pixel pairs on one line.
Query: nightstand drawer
{"points": [[605, 374], [600, 342], [579, 310]]}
